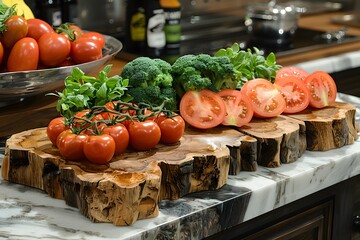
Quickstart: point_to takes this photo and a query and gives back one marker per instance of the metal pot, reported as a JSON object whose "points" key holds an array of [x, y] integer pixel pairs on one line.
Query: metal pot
{"points": [[269, 23]]}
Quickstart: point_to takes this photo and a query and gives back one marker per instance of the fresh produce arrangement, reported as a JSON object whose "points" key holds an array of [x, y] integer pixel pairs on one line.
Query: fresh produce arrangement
{"points": [[31, 43], [150, 101]]}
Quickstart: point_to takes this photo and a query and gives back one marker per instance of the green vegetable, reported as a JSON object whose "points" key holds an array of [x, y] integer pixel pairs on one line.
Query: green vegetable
{"points": [[83, 92], [150, 81], [5, 13], [197, 72], [248, 65]]}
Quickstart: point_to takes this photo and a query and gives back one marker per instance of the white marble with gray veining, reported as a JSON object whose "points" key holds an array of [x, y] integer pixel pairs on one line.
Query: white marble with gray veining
{"points": [[27, 213]]}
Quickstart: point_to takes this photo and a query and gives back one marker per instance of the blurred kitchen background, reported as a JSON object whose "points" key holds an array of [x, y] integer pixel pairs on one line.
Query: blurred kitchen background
{"points": [[206, 25]]}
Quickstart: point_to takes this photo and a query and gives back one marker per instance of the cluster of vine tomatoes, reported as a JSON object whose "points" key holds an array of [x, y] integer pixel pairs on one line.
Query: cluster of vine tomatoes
{"points": [[293, 91], [31, 44], [98, 136]]}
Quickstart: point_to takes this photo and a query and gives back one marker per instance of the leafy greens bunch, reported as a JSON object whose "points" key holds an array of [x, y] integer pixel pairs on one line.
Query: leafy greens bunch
{"points": [[249, 65], [84, 92]]}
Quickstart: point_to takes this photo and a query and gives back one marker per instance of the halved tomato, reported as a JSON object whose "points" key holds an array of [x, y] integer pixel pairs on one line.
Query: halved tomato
{"points": [[294, 91], [291, 71], [322, 88], [267, 101], [239, 110], [204, 109]]}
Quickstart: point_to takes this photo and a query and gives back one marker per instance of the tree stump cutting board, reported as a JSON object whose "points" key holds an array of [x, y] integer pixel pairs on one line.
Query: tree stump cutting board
{"points": [[130, 186], [330, 127]]}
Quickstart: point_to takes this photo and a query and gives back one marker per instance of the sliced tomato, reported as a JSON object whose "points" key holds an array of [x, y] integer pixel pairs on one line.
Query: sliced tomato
{"points": [[267, 101], [322, 88], [239, 110], [291, 71], [294, 91], [204, 109]]}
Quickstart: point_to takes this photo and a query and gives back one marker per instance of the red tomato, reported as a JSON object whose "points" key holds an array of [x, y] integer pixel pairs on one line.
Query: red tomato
{"points": [[96, 37], [71, 145], [83, 121], [239, 109], [120, 135], [322, 88], [294, 91], [204, 109], [291, 71], [144, 135], [37, 27], [1, 53], [266, 99], [54, 49], [99, 149], [172, 129], [54, 128], [85, 50], [16, 29], [24, 55]]}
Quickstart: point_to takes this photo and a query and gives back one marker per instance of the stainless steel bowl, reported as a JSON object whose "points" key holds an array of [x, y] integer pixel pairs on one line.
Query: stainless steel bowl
{"points": [[17, 86]]}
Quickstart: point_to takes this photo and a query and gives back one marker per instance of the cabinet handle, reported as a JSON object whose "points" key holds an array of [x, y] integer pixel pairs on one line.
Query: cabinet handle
{"points": [[356, 223]]}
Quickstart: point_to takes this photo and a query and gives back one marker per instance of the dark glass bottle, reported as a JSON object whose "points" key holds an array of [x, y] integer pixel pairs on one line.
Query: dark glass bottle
{"points": [[49, 11], [172, 9], [155, 22], [136, 25]]}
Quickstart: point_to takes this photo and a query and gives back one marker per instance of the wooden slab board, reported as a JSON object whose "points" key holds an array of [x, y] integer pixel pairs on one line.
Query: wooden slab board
{"points": [[330, 127], [130, 186]]}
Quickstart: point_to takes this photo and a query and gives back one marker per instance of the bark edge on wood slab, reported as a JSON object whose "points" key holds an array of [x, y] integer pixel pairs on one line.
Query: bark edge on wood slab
{"points": [[279, 139], [330, 127]]}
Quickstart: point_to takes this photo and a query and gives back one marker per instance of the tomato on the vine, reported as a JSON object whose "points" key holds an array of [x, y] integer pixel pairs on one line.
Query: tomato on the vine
{"points": [[83, 120], [99, 149], [71, 145], [296, 94], [38, 27], [266, 99], [1, 53], [54, 49], [85, 50], [24, 55], [322, 88], [144, 135], [204, 109], [120, 135], [55, 127], [17, 29], [239, 110], [172, 128]]}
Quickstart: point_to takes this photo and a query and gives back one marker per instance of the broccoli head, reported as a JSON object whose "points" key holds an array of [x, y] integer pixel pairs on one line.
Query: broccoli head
{"points": [[150, 81], [197, 72]]}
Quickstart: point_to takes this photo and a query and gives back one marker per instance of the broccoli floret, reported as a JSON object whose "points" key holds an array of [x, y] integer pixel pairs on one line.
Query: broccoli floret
{"points": [[197, 72], [149, 81]]}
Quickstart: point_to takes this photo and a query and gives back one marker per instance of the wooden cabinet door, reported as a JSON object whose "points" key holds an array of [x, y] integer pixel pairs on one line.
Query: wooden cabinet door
{"points": [[314, 223]]}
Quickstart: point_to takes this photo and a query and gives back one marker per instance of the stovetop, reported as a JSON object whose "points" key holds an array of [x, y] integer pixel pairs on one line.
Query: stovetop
{"points": [[304, 40]]}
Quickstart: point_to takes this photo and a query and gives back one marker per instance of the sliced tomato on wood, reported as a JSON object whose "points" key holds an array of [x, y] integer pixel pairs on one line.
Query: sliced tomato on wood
{"points": [[267, 101], [291, 71], [295, 92], [322, 88], [204, 109], [239, 110]]}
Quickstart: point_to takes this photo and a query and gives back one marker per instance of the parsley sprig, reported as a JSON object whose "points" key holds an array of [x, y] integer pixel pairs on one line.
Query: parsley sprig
{"points": [[250, 65], [83, 92]]}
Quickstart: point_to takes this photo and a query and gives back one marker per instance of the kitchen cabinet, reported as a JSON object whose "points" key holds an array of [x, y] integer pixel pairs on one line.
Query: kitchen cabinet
{"points": [[327, 214]]}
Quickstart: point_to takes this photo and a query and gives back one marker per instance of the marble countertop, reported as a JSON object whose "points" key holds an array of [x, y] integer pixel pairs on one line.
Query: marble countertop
{"points": [[27, 213]]}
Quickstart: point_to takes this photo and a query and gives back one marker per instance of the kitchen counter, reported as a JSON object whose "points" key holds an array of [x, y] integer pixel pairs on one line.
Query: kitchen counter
{"points": [[27, 213]]}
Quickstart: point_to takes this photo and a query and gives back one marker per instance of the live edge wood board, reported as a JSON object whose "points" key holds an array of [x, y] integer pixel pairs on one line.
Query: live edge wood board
{"points": [[131, 185]]}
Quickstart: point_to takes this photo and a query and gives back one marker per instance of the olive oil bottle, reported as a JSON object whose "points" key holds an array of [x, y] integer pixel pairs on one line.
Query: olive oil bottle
{"points": [[136, 26], [172, 10]]}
